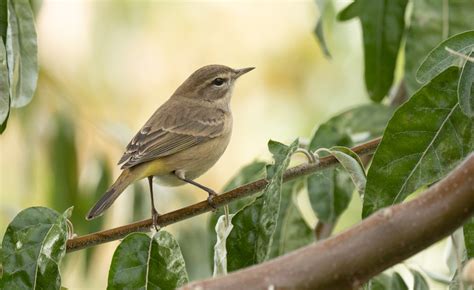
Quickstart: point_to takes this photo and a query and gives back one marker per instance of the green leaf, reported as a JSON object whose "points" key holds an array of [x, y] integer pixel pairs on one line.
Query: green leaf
{"points": [[287, 191], [439, 59], [103, 182], [4, 87], [330, 190], [352, 164], [3, 20], [142, 262], [36, 6], [397, 282], [353, 126], [32, 248], [292, 231], [22, 52], [383, 24], [4, 125], [420, 282], [248, 173], [424, 140], [431, 23], [326, 10], [1, 266], [379, 282], [351, 11], [85, 201], [386, 282], [220, 252], [468, 230], [348, 151], [466, 87], [141, 201], [250, 241], [62, 154], [194, 246]]}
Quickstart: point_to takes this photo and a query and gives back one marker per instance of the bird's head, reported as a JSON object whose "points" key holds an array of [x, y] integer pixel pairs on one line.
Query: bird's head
{"points": [[211, 83]]}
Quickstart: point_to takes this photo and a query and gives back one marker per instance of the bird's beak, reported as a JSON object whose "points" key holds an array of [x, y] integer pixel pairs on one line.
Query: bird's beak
{"points": [[239, 72]]}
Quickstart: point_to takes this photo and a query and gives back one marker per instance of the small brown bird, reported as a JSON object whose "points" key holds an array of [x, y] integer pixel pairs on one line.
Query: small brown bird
{"points": [[182, 139]]}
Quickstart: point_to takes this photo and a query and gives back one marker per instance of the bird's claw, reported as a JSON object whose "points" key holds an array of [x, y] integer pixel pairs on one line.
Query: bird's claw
{"points": [[210, 200], [154, 218]]}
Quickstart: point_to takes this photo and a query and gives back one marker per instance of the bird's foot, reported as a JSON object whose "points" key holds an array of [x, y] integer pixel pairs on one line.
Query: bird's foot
{"points": [[154, 218], [210, 199]]}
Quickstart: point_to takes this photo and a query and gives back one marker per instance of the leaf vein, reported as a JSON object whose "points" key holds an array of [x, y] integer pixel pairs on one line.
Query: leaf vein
{"points": [[424, 153], [399, 159], [150, 245]]}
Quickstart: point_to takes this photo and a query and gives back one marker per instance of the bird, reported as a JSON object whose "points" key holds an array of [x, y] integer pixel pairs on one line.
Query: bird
{"points": [[183, 138]]}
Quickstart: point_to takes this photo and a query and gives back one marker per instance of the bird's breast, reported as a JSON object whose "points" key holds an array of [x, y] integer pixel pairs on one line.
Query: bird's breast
{"points": [[193, 161]]}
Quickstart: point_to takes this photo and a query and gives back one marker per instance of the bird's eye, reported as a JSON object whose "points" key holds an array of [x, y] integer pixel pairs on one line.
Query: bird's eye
{"points": [[218, 82]]}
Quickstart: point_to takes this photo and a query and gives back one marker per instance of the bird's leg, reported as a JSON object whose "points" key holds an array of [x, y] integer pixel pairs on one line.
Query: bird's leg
{"points": [[180, 174], [154, 212]]}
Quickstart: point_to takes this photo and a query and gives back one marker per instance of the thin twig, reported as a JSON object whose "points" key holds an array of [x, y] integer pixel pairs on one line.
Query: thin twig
{"points": [[203, 206]]}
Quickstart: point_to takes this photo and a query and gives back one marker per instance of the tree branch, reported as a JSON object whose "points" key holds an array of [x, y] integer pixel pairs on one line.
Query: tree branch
{"points": [[348, 260], [202, 207]]}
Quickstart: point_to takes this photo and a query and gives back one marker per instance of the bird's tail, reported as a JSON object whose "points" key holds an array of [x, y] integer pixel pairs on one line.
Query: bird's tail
{"points": [[111, 195]]}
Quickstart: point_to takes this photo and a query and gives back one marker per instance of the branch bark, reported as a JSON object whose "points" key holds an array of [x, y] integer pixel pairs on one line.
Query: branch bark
{"points": [[348, 260], [202, 207]]}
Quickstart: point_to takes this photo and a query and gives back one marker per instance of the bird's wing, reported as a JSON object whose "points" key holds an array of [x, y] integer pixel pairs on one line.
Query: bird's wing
{"points": [[170, 131]]}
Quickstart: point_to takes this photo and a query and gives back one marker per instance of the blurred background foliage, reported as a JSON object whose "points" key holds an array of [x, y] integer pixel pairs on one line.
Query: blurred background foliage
{"points": [[105, 66]]}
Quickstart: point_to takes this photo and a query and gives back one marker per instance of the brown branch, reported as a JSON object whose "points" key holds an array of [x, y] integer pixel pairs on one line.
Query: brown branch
{"points": [[351, 258], [202, 207]]}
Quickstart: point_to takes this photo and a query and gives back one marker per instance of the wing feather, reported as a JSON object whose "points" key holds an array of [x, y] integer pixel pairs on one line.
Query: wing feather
{"points": [[168, 132]]}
